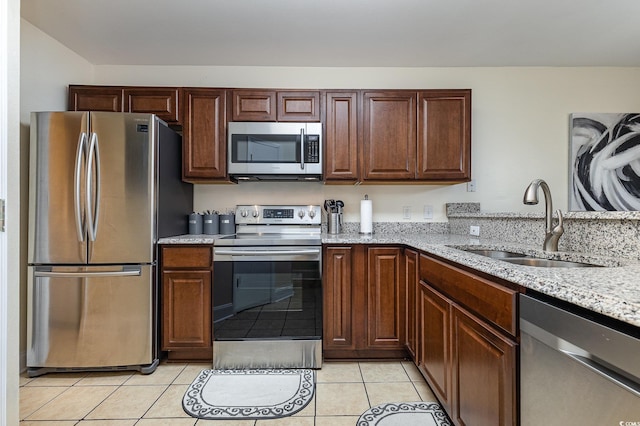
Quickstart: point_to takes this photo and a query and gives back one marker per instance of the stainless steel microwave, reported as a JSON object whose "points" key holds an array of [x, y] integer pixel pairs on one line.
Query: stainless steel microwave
{"points": [[274, 151]]}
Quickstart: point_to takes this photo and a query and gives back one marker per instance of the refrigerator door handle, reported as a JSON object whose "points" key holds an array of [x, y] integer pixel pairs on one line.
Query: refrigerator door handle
{"points": [[77, 183], [123, 273], [93, 200]]}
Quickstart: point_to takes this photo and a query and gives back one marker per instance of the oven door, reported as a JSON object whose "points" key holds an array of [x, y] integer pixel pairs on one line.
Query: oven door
{"points": [[267, 293]]}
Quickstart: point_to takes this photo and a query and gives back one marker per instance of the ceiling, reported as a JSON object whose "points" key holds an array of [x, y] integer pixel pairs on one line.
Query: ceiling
{"points": [[345, 33]]}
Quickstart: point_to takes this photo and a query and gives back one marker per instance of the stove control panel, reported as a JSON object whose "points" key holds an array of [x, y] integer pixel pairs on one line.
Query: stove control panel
{"points": [[278, 215]]}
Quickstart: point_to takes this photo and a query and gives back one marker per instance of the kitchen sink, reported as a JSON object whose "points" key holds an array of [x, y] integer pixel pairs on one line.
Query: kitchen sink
{"points": [[527, 260], [496, 254], [548, 263]]}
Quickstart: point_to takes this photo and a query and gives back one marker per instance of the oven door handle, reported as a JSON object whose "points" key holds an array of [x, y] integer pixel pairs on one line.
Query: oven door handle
{"points": [[266, 252]]}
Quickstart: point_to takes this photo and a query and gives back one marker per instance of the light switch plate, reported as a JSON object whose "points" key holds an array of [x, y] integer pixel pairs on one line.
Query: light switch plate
{"points": [[428, 212], [474, 230], [406, 212]]}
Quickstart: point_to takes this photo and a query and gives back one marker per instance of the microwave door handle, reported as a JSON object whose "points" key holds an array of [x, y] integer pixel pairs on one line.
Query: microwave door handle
{"points": [[302, 148]]}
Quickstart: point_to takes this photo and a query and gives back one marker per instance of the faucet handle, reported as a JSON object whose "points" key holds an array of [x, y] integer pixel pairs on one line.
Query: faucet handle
{"points": [[559, 229]]}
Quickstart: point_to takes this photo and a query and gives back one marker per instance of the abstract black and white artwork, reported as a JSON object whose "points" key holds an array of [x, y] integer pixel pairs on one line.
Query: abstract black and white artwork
{"points": [[604, 169]]}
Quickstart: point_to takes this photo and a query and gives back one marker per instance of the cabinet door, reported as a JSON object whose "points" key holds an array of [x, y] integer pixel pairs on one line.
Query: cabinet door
{"points": [[434, 354], [338, 327], [484, 377], [341, 141], [254, 105], [162, 101], [204, 136], [186, 309], [386, 298], [444, 135], [298, 106], [95, 98], [411, 285], [389, 135]]}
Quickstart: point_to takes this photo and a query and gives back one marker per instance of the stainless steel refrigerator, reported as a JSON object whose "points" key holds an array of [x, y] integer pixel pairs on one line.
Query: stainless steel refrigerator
{"points": [[103, 188]]}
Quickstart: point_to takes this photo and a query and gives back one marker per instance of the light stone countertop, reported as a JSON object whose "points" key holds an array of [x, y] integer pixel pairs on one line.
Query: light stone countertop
{"points": [[613, 290]]}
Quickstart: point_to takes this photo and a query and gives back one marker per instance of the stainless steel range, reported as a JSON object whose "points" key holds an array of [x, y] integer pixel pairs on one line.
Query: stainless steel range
{"points": [[267, 289]]}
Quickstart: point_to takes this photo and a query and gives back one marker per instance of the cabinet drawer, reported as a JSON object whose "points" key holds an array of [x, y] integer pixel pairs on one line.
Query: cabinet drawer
{"points": [[493, 302], [186, 257]]}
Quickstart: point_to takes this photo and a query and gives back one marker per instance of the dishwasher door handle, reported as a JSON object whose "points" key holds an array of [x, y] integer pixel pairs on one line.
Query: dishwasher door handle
{"points": [[605, 372]]}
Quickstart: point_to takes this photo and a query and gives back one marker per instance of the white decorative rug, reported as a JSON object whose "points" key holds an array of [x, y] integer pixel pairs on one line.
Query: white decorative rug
{"points": [[249, 394], [405, 414]]}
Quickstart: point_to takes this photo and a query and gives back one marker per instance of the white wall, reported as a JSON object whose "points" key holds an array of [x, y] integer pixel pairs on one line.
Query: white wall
{"points": [[520, 128], [48, 68], [10, 131]]}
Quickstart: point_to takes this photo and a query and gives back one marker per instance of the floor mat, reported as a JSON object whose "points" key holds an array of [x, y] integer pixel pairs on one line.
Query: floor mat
{"points": [[405, 414], [249, 394]]}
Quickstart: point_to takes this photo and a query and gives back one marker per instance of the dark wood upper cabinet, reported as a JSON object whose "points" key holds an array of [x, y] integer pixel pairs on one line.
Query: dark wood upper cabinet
{"points": [[204, 135], [389, 135], [370, 136], [444, 135], [154, 100], [298, 106], [95, 98], [162, 101], [275, 105], [341, 137], [254, 105]]}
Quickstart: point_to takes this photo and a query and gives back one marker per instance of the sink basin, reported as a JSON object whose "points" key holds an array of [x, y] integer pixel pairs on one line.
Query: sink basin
{"points": [[547, 263], [527, 260], [496, 254]]}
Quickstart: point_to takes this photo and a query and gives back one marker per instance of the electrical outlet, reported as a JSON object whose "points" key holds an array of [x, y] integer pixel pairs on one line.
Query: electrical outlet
{"points": [[474, 230], [428, 212], [406, 212], [471, 186]]}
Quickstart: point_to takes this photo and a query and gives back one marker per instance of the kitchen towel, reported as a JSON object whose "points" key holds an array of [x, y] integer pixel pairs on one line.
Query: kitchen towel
{"points": [[366, 215]]}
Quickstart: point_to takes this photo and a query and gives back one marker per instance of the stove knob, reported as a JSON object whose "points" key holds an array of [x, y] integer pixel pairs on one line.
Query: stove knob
{"points": [[255, 213], [244, 213], [312, 214], [301, 214]]}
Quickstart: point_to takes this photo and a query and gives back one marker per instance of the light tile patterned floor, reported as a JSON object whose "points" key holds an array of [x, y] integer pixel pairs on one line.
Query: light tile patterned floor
{"points": [[344, 390]]}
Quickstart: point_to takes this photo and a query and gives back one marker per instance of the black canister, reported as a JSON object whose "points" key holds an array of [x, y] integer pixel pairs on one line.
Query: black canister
{"points": [[211, 224], [195, 223], [227, 224]]}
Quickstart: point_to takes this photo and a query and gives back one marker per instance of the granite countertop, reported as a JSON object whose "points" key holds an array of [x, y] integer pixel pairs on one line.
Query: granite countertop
{"points": [[613, 290]]}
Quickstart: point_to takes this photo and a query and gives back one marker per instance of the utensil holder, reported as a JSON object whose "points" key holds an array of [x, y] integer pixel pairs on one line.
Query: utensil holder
{"points": [[195, 223], [211, 224], [227, 224], [334, 223]]}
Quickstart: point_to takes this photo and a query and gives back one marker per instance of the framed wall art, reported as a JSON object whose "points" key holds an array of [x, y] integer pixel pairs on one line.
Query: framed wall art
{"points": [[604, 162]]}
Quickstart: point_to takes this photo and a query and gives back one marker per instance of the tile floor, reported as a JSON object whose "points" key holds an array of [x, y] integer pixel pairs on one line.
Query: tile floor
{"points": [[344, 390]]}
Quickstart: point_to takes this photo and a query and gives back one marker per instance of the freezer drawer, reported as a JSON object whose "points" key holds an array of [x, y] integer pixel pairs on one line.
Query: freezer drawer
{"points": [[90, 317]]}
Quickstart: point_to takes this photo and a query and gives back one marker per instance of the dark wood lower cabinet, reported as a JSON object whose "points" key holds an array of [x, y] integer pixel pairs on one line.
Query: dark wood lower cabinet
{"points": [[187, 330], [483, 370], [411, 296], [469, 361], [434, 353], [364, 302]]}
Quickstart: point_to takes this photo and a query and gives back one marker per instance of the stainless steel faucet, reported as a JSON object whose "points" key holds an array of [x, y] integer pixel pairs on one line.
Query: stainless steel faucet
{"points": [[552, 233]]}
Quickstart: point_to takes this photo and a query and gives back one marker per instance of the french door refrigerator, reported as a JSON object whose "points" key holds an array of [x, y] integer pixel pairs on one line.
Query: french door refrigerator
{"points": [[103, 187]]}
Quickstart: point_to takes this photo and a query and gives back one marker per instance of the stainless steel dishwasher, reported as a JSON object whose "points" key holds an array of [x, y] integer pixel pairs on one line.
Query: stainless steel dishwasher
{"points": [[576, 370]]}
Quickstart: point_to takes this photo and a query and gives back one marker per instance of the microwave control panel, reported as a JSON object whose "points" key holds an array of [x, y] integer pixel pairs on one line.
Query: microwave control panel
{"points": [[312, 149]]}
